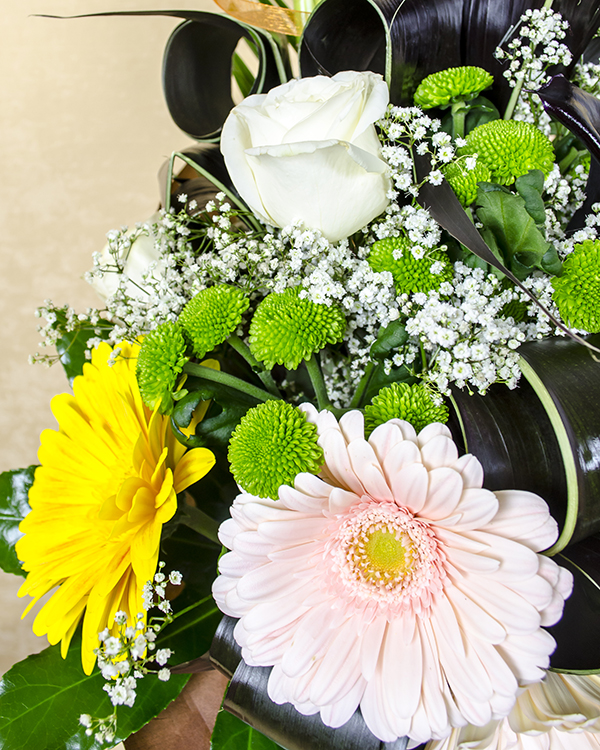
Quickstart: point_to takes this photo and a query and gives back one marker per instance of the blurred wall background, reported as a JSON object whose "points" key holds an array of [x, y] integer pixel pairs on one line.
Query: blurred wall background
{"points": [[83, 132]]}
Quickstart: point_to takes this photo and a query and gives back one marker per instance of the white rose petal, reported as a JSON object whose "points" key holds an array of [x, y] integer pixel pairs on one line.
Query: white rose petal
{"points": [[308, 151]]}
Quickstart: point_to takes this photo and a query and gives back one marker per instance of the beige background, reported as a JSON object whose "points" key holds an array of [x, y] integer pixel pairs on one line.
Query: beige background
{"points": [[84, 130]]}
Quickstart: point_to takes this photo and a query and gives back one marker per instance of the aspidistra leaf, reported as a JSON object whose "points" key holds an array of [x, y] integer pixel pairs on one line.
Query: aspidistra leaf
{"points": [[14, 506]]}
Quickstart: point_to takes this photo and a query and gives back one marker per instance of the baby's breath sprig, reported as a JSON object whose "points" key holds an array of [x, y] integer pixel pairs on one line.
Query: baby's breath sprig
{"points": [[131, 654], [529, 54]]}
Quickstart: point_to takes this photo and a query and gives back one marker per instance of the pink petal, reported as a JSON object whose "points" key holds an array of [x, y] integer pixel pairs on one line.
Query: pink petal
{"points": [[439, 451], [368, 470], [475, 508], [443, 493], [384, 438], [470, 469], [409, 486], [403, 683], [370, 646], [524, 516], [337, 461], [352, 425]]}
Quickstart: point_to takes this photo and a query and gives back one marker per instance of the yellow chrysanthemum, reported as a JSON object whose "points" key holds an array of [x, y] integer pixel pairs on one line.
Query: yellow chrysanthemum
{"points": [[108, 481]]}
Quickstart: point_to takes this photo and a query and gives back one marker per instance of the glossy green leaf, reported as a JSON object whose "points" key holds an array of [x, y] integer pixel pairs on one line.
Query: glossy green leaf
{"points": [[509, 227], [388, 339], [230, 733], [530, 187], [42, 698], [14, 506]]}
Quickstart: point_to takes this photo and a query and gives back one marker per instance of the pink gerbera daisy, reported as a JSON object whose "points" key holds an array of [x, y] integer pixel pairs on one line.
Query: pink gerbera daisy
{"points": [[393, 581]]}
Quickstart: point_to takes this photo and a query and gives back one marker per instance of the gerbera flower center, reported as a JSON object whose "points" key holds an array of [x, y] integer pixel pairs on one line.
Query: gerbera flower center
{"points": [[382, 555]]}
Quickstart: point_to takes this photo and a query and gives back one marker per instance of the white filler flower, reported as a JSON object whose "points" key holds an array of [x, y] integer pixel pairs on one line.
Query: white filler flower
{"points": [[308, 151], [393, 581]]}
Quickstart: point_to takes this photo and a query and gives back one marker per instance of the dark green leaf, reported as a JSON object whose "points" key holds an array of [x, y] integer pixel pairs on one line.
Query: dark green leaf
{"points": [[230, 733], [223, 416], [190, 635], [530, 187], [72, 345], [580, 113], [427, 37], [42, 698], [389, 339], [14, 506], [503, 214], [197, 71], [577, 634]]}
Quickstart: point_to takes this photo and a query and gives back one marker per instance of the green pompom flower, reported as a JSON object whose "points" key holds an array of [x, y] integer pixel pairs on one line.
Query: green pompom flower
{"points": [[212, 315], [452, 85], [410, 274], [464, 181], [510, 148], [271, 445], [286, 329], [160, 362], [577, 290], [413, 403]]}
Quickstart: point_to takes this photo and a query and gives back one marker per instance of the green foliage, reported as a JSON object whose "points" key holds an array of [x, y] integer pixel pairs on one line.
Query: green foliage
{"points": [[72, 345], [223, 416], [42, 698], [512, 233], [389, 340], [231, 733], [14, 506], [530, 187]]}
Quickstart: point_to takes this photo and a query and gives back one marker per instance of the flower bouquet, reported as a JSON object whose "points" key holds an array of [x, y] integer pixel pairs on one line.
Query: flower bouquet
{"points": [[335, 431]]}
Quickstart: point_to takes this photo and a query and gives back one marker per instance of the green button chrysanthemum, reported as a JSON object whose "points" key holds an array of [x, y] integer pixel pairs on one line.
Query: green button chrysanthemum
{"points": [[464, 181], [271, 445], [577, 291], [413, 403], [452, 85], [286, 329], [160, 362], [212, 315], [510, 148], [410, 274]]}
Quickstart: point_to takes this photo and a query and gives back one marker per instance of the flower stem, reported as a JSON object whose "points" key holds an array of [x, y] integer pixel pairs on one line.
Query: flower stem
{"points": [[362, 386], [316, 378], [217, 376], [200, 522], [459, 113], [244, 351]]}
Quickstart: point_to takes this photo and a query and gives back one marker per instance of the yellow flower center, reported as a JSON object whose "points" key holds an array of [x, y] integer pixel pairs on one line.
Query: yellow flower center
{"points": [[383, 554]]}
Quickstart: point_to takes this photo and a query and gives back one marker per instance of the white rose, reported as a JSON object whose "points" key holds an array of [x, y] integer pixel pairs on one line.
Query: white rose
{"points": [[309, 151], [140, 255]]}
